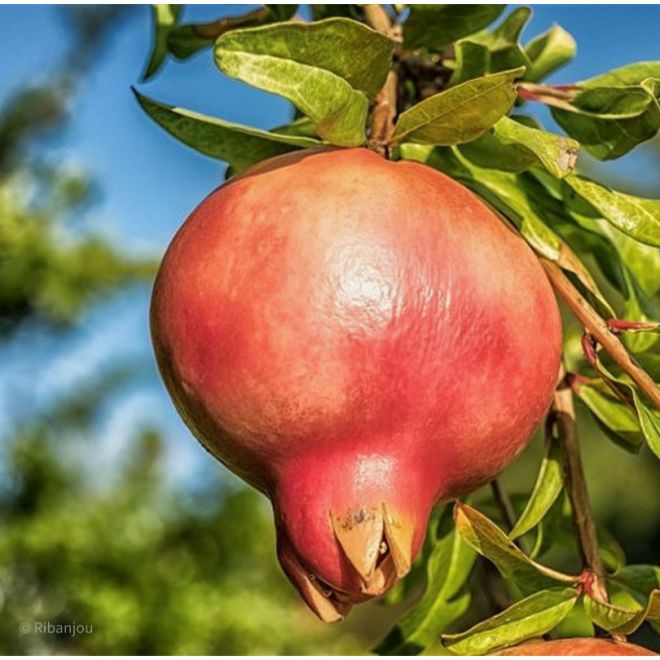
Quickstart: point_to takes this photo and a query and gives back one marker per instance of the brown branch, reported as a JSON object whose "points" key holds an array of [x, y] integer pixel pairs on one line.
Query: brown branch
{"points": [[214, 29], [384, 110], [563, 417], [598, 328]]}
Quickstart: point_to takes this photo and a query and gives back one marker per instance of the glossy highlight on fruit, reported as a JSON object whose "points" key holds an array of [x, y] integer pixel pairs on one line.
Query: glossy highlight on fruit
{"points": [[357, 338], [576, 646]]}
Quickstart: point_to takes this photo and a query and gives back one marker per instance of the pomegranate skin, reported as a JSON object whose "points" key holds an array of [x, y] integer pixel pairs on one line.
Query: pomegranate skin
{"points": [[576, 646], [357, 338]]}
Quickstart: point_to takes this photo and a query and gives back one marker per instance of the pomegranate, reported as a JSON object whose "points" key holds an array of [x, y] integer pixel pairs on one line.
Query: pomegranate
{"points": [[577, 646], [358, 339]]}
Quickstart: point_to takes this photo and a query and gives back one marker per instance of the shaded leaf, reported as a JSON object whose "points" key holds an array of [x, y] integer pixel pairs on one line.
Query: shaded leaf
{"points": [[491, 52], [165, 18], [491, 542], [324, 68], [649, 420], [444, 601], [532, 617], [619, 619], [459, 114], [635, 216], [548, 52], [641, 579], [240, 146], [436, 26], [510, 145], [610, 412], [548, 487]]}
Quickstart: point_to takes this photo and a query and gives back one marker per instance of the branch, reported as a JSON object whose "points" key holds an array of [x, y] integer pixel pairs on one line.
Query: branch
{"points": [[563, 417], [598, 328], [384, 110], [214, 29]]}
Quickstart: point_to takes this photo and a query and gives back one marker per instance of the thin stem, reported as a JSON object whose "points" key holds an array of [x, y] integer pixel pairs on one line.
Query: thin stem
{"points": [[563, 414], [384, 110], [598, 328], [504, 503]]}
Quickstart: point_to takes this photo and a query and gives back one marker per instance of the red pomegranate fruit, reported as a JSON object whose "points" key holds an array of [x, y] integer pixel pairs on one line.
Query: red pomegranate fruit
{"points": [[577, 646], [358, 339]]}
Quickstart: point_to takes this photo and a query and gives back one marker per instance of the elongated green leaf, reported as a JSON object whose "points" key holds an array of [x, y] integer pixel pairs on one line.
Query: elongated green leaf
{"points": [[324, 68], [444, 600], [649, 420], [459, 114], [491, 52], [640, 579], [625, 76], [240, 146], [491, 542], [510, 145], [634, 310], [437, 26], [350, 50], [547, 489], [532, 617], [610, 120], [623, 620], [614, 415], [548, 52], [635, 216], [165, 18]]}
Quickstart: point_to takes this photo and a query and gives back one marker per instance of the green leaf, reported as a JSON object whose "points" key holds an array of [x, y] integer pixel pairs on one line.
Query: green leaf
{"points": [[165, 18], [634, 310], [548, 487], [622, 620], [459, 114], [635, 216], [649, 420], [625, 76], [491, 542], [491, 52], [613, 414], [510, 145], [282, 12], [437, 26], [640, 579], [609, 119], [444, 600], [324, 68], [240, 146], [532, 617], [548, 52]]}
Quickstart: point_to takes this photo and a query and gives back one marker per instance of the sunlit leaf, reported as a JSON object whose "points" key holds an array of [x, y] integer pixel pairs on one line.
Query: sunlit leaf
{"points": [[491, 542], [625, 76], [444, 600], [459, 114], [326, 69], [547, 488], [240, 146], [532, 617], [510, 145], [635, 216], [548, 52], [436, 26]]}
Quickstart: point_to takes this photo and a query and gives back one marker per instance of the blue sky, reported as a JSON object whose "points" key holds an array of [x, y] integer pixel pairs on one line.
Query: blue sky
{"points": [[150, 183]]}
